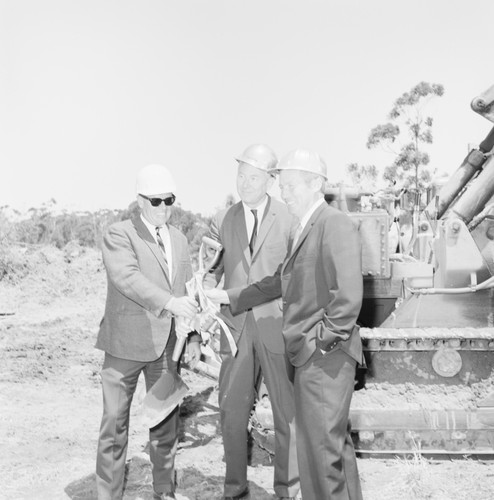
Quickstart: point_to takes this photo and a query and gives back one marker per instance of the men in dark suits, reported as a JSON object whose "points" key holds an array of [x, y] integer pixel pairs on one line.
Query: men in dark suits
{"points": [[254, 234], [147, 263], [320, 282]]}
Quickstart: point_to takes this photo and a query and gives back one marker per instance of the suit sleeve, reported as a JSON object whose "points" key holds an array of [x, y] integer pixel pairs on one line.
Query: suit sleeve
{"points": [[265, 290], [341, 249], [123, 270]]}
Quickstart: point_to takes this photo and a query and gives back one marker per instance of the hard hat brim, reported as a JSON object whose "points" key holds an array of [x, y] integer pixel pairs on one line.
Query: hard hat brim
{"points": [[302, 169], [252, 162]]}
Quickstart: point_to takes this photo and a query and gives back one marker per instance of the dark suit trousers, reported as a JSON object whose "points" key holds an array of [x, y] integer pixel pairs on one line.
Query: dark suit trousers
{"points": [[119, 379], [237, 393], [323, 391]]}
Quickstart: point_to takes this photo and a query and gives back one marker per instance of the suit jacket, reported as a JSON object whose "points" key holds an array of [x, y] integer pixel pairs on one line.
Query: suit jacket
{"points": [[135, 325], [240, 269], [321, 284]]}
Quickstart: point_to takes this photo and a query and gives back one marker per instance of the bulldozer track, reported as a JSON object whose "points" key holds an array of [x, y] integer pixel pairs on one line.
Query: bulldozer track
{"points": [[427, 389], [426, 339], [406, 404]]}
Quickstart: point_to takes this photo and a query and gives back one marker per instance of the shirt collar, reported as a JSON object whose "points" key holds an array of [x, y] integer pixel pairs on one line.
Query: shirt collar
{"points": [[152, 229], [261, 208], [312, 209]]}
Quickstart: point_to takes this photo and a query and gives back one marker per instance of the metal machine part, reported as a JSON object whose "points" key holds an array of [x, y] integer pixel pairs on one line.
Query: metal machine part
{"points": [[483, 104], [427, 321]]}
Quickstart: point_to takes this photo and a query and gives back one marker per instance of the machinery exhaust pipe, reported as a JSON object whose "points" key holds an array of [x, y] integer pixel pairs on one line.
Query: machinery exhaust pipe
{"points": [[481, 190], [472, 164]]}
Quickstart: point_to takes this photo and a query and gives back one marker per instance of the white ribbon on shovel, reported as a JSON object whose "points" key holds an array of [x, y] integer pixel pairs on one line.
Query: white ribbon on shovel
{"points": [[208, 310], [169, 390]]}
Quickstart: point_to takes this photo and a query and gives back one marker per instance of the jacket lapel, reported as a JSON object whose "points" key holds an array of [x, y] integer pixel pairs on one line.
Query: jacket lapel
{"points": [[310, 223], [241, 230], [175, 252], [144, 233], [265, 226]]}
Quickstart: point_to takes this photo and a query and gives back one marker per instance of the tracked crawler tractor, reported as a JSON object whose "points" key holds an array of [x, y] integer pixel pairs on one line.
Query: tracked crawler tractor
{"points": [[428, 314]]}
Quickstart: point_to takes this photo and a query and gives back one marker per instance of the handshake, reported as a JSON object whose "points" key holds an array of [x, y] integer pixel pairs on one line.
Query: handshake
{"points": [[201, 304], [217, 296], [191, 310], [187, 307]]}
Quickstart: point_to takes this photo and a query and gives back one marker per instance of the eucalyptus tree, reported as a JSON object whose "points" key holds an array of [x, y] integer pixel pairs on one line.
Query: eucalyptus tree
{"points": [[406, 135]]}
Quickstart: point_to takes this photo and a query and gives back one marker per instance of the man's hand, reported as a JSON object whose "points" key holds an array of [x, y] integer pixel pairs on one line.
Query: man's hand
{"points": [[182, 306], [193, 354], [209, 281], [217, 296]]}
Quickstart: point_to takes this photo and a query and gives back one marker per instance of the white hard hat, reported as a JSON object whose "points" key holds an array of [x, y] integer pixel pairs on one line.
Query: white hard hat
{"points": [[303, 159], [155, 179], [259, 156]]}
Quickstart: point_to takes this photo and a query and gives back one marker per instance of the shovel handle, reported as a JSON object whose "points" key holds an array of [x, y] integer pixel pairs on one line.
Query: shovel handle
{"points": [[215, 245], [179, 347]]}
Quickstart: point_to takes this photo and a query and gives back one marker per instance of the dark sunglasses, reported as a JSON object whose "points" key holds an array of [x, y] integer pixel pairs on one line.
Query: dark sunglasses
{"points": [[156, 202]]}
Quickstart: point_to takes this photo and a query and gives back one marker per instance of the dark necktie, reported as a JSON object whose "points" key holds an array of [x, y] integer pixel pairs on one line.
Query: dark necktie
{"points": [[253, 236], [161, 245]]}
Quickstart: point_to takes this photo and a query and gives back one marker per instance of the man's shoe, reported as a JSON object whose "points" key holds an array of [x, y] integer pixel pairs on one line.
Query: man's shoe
{"points": [[245, 495]]}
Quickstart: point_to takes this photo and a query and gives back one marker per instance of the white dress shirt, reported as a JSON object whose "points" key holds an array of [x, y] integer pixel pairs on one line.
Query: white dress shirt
{"points": [[165, 236], [249, 216], [312, 209]]}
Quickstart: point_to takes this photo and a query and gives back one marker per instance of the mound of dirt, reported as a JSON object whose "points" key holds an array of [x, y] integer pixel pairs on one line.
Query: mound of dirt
{"points": [[51, 304]]}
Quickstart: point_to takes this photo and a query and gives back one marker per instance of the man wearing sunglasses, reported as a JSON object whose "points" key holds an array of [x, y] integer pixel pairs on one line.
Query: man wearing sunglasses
{"points": [[147, 263], [254, 234]]}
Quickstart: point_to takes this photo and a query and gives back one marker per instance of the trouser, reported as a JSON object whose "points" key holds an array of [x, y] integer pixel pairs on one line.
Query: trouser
{"points": [[237, 391], [119, 380], [323, 392]]}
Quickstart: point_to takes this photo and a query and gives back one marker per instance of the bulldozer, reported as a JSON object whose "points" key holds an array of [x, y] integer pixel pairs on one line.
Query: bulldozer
{"points": [[427, 319]]}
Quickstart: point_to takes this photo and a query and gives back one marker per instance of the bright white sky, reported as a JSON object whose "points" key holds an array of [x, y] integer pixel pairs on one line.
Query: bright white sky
{"points": [[91, 90]]}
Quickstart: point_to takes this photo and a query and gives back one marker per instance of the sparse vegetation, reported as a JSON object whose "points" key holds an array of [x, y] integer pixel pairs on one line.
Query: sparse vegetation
{"points": [[46, 225], [51, 403]]}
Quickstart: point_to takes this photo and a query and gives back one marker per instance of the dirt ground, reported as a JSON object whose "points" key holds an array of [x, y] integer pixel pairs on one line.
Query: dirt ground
{"points": [[51, 303]]}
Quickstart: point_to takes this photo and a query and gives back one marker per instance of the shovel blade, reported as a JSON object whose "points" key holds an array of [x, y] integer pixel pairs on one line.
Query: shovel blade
{"points": [[163, 397]]}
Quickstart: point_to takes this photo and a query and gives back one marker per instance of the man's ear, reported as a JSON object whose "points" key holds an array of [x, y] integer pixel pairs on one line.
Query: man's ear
{"points": [[140, 201], [270, 182], [317, 184]]}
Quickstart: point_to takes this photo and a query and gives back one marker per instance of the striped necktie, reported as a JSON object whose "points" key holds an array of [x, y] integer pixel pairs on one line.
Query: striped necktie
{"points": [[161, 244]]}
